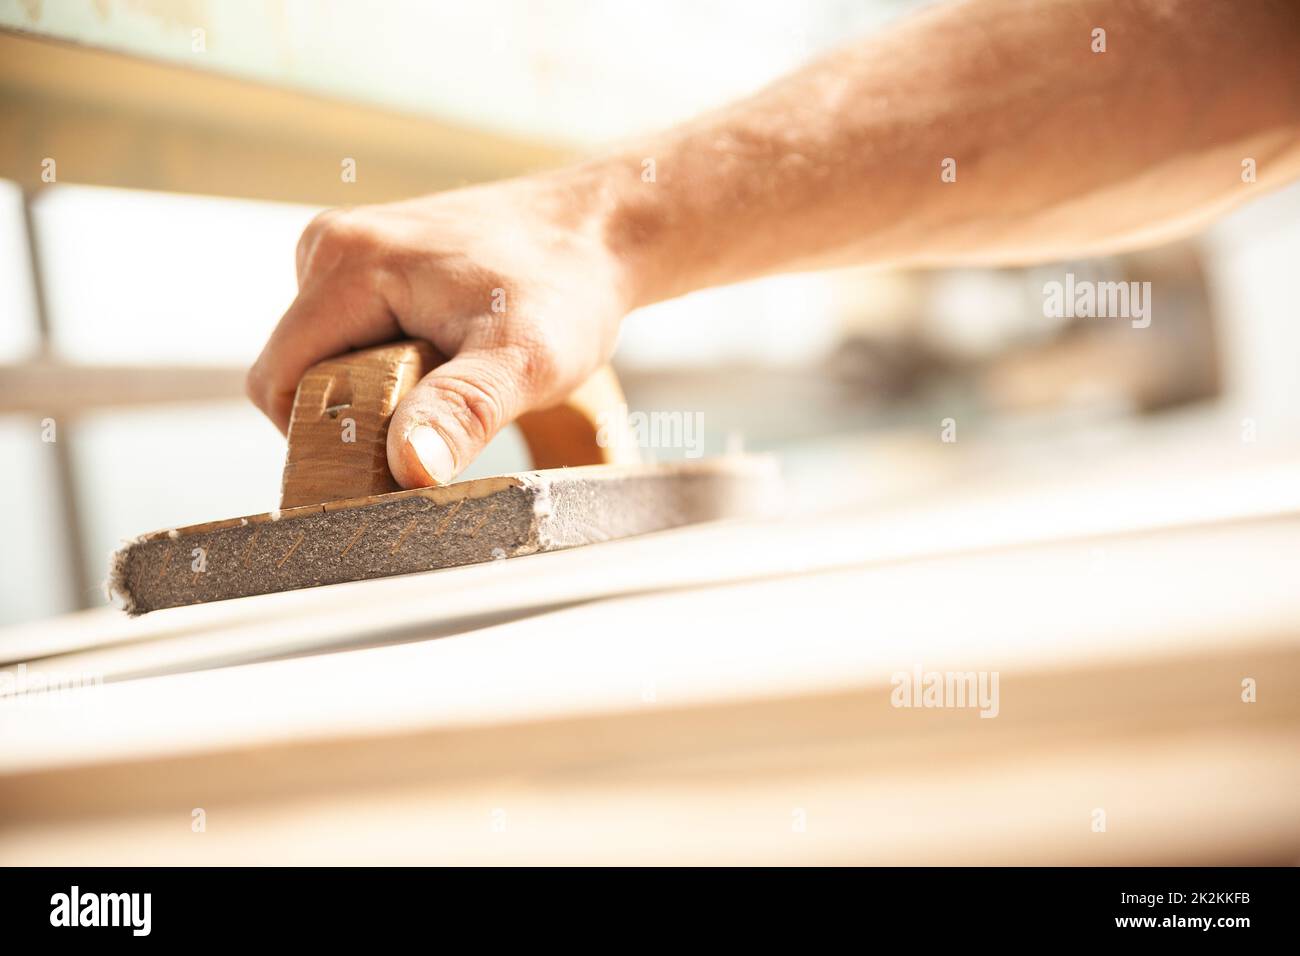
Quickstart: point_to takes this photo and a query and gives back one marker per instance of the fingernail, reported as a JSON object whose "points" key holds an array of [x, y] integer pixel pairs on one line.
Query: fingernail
{"points": [[434, 455]]}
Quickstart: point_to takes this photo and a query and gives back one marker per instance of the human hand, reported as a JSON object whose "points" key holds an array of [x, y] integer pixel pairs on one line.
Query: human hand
{"points": [[514, 282]]}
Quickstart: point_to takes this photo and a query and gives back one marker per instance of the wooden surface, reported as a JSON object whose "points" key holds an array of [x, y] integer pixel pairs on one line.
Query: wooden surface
{"points": [[338, 430], [720, 693], [586, 429], [55, 388], [116, 120]]}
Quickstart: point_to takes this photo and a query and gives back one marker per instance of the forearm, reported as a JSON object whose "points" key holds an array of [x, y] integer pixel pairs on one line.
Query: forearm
{"points": [[1058, 150]]}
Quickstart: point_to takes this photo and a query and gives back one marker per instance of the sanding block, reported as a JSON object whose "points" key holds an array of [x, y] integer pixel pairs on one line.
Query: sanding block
{"points": [[343, 518]]}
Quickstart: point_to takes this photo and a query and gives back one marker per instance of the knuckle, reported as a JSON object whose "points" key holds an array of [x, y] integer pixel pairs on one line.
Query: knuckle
{"points": [[537, 360], [255, 386], [478, 407], [333, 235], [314, 229]]}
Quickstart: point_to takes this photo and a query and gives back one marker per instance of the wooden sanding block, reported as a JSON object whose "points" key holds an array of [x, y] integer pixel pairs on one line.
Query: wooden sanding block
{"points": [[343, 518]]}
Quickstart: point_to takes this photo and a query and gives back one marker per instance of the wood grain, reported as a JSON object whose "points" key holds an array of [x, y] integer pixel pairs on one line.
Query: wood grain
{"points": [[338, 429], [124, 121], [769, 703]]}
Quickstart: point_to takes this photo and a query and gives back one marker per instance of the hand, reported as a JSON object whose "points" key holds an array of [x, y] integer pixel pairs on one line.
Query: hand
{"points": [[513, 281]]}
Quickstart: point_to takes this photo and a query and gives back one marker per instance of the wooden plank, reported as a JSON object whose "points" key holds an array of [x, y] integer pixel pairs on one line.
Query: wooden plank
{"points": [[618, 708], [1030, 608], [1219, 800], [1091, 511], [54, 388], [1132, 705], [114, 120]]}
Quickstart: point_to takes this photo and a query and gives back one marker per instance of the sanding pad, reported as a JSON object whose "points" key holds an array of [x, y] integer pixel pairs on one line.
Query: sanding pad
{"points": [[429, 528]]}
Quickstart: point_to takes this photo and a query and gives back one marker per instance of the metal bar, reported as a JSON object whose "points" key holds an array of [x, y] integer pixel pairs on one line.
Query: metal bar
{"points": [[79, 589], [52, 387]]}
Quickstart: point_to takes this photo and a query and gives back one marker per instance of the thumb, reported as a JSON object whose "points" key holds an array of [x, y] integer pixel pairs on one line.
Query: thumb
{"points": [[447, 419]]}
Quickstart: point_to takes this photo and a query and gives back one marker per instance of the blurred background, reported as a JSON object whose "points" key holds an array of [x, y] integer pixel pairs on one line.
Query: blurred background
{"points": [[160, 157]]}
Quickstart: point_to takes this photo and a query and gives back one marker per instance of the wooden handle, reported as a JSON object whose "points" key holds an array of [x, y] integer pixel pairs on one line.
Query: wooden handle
{"points": [[338, 430]]}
